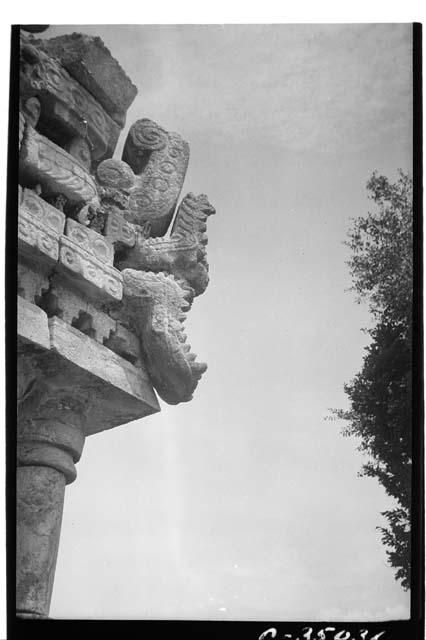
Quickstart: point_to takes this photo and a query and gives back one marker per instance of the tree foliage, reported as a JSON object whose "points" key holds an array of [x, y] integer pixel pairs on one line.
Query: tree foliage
{"points": [[381, 265]]}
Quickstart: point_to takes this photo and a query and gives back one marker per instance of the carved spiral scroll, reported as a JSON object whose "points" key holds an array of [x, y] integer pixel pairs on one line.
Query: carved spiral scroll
{"points": [[144, 135], [159, 160], [115, 173]]}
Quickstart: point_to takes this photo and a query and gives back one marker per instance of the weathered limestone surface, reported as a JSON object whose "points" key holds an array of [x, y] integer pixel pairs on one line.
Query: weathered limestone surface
{"points": [[60, 298], [32, 324], [115, 391], [50, 439], [42, 211], [40, 498], [159, 159], [92, 242], [102, 294], [115, 180], [43, 162], [31, 110], [183, 254], [156, 305], [119, 391], [118, 231], [92, 276], [126, 344], [67, 108], [89, 61]]}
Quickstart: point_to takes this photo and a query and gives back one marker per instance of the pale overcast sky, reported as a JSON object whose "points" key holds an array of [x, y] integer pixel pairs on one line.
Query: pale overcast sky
{"points": [[244, 503]]}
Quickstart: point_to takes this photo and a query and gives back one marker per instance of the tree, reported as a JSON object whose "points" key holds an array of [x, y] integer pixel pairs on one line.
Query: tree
{"points": [[380, 414]]}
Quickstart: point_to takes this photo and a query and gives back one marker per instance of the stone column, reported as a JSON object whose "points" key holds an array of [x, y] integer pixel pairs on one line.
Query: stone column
{"points": [[50, 441]]}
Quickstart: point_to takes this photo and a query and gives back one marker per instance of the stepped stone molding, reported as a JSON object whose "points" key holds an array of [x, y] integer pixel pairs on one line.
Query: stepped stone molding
{"points": [[90, 241], [92, 276], [33, 277]]}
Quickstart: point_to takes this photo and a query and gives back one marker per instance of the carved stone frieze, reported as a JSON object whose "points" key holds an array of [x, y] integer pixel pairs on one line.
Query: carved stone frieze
{"points": [[43, 162], [41, 210], [118, 231], [89, 61], [80, 149], [159, 159], [91, 241], [184, 253], [155, 304], [93, 277], [66, 106], [36, 241]]}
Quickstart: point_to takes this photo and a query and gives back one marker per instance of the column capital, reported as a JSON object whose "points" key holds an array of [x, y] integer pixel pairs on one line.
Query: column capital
{"points": [[51, 421]]}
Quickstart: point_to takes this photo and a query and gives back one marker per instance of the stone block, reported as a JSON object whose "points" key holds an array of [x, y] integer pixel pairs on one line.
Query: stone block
{"points": [[102, 323], [32, 324], [93, 277], [65, 104], [89, 61], [43, 162], [118, 230], [44, 212], [125, 343], [35, 240], [119, 392], [64, 300], [91, 241]]}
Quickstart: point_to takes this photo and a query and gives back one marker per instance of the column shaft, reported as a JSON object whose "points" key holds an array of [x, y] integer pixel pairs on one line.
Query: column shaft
{"points": [[40, 500]]}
